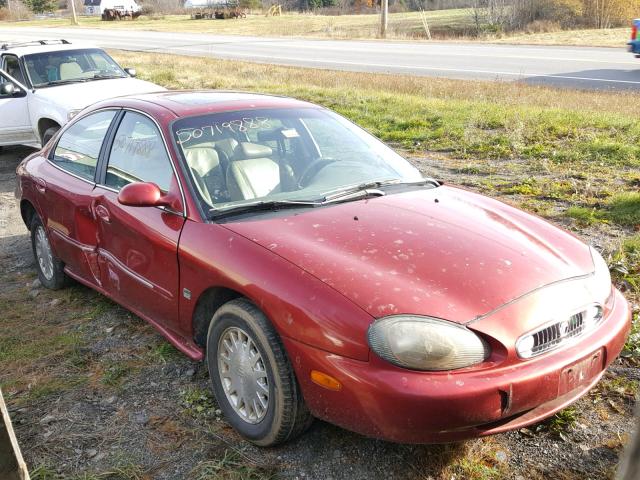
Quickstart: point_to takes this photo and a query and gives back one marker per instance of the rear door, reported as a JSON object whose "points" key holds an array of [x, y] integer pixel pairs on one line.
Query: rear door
{"points": [[66, 188], [15, 127], [138, 246]]}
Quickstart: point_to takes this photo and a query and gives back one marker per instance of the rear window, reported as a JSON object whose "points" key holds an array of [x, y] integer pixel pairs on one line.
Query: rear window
{"points": [[79, 146]]}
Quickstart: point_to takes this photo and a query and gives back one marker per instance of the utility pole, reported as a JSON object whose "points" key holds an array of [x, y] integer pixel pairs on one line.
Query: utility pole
{"points": [[384, 15], [74, 19]]}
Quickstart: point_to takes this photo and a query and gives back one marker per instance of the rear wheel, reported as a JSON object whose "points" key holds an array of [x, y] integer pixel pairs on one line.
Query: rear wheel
{"points": [[50, 269], [252, 378]]}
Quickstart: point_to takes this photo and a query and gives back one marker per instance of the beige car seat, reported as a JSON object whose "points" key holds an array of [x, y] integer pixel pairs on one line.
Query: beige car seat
{"points": [[202, 161], [70, 70], [252, 173]]}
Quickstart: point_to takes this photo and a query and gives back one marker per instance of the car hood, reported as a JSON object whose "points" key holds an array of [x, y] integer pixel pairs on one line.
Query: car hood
{"points": [[79, 95], [443, 252]]}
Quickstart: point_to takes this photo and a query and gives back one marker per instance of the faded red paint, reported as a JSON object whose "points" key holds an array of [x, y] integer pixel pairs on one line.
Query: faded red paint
{"points": [[323, 275]]}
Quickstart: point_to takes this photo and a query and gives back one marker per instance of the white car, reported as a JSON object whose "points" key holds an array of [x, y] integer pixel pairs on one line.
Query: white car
{"points": [[43, 84]]}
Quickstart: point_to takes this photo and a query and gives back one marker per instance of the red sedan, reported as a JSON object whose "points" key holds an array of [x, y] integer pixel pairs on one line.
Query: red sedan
{"points": [[317, 272]]}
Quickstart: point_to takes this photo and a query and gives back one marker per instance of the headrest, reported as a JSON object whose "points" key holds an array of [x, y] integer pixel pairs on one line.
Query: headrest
{"points": [[245, 151], [202, 159]]}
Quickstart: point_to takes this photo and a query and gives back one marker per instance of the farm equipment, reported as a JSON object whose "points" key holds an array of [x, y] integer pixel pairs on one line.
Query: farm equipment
{"points": [[111, 10], [111, 14], [215, 9]]}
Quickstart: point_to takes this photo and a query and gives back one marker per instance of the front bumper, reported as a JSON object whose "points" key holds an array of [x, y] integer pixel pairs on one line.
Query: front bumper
{"points": [[382, 401]]}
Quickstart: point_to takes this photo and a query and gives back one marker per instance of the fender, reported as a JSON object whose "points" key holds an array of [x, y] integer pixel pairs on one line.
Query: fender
{"points": [[300, 306]]}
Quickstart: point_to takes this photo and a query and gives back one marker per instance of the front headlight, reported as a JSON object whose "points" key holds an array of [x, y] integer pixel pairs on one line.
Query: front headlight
{"points": [[72, 114], [602, 277], [423, 343]]}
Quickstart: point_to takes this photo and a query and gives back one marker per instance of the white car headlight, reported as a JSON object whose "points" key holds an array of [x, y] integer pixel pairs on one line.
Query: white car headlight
{"points": [[602, 277], [423, 343]]}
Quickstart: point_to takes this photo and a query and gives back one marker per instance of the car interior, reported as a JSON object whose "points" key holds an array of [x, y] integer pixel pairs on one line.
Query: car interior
{"points": [[236, 168], [63, 66]]}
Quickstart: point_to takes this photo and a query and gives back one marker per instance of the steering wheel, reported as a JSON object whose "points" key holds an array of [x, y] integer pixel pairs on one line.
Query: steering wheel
{"points": [[313, 169]]}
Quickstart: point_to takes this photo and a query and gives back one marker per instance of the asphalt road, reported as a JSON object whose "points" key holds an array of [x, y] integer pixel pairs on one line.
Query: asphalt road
{"points": [[574, 67]]}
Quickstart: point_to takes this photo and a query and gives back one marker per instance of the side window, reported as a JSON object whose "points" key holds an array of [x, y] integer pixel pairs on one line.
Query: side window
{"points": [[5, 79], [138, 155], [12, 67], [79, 146]]}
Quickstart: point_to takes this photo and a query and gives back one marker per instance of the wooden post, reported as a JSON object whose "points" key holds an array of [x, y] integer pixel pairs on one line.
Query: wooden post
{"points": [[12, 466], [384, 15], [74, 17]]}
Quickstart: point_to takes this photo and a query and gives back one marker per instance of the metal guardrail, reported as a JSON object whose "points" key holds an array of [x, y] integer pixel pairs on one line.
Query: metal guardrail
{"points": [[12, 466]]}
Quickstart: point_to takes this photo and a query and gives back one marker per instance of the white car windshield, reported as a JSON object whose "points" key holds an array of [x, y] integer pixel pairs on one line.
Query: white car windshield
{"points": [[71, 66], [284, 155]]}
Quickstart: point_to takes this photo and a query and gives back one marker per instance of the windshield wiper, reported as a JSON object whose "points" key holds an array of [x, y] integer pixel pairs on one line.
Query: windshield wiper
{"points": [[98, 76], [63, 82], [373, 188], [217, 213]]}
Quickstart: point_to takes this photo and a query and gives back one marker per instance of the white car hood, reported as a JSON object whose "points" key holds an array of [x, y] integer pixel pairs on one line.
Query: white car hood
{"points": [[76, 96]]}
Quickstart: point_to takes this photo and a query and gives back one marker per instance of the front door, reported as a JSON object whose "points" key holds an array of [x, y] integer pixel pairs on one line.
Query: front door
{"points": [[15, 127], [138, 246]]}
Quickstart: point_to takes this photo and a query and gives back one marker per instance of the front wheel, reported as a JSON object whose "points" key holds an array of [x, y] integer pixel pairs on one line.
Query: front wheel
{"points": [[50, 269], [48, 134], [252, 378]]}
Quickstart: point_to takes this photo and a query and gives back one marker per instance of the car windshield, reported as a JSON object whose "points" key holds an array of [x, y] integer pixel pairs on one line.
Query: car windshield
{"points": [[71, 66], [282, 155]]}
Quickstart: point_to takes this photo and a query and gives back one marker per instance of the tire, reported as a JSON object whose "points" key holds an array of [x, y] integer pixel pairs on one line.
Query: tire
{"points": [[48, 134], [285, 415], [50, 269]]}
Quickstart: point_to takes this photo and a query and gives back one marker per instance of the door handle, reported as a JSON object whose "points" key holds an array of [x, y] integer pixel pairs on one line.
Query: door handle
{"points": [[103, 213], [41, 185]]}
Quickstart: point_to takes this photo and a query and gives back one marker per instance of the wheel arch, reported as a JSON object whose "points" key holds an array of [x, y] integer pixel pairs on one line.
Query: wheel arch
{"points": [[27, 211], [209, 301], [44, 124]]}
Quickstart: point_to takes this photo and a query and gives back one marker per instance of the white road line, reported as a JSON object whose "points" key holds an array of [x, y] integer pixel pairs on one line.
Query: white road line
{"points": [[408, 67]]}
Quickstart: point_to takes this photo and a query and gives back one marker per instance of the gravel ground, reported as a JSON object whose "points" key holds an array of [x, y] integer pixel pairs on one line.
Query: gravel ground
{"points": [[140, 410]]}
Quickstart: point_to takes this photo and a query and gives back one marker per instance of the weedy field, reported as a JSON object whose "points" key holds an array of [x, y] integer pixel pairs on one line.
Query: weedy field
{"points": [[95, 393], [442, 25]]}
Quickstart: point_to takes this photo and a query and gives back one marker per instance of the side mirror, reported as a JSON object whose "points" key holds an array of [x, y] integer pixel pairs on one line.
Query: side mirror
{"points": [[130, 71], [142, 194], [7, 89]]}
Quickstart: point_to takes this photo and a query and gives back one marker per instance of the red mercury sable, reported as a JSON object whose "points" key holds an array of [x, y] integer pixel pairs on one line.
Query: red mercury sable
{"points": [[317, 272]]}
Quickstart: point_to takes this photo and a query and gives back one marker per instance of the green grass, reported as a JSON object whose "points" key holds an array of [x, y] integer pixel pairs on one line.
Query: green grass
{"points": [[632, 346], [115, 373], [624, 209], [197, 401], [164, 352], [583, 215], [563, 421], [625, 263]]}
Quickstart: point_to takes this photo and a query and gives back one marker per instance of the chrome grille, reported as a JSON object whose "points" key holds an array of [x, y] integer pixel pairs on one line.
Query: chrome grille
{"points": [[552, 335]]}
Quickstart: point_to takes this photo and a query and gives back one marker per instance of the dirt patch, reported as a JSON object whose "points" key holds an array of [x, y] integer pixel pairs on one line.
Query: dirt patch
{"points": [[95, 392]]}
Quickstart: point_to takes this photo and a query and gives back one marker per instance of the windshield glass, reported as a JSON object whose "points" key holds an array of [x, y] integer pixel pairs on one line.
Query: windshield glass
{"points": [[244, 157], [69, 66]]}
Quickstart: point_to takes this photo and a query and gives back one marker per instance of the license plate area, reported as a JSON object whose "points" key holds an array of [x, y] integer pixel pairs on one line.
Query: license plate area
{"points": [[581, 372]]}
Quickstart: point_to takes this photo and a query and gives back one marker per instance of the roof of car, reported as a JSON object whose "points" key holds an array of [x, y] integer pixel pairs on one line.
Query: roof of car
{"points": [[197, 102], [41, 46]]}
